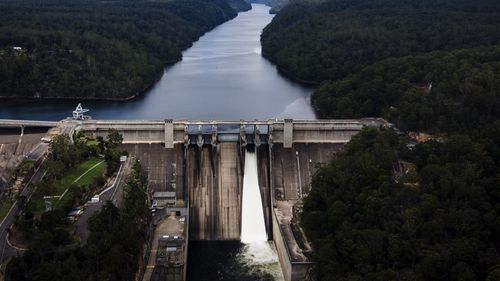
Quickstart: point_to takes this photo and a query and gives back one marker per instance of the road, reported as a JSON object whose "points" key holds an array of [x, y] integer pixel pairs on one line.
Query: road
{"points": [[7, 251], [114, 193], [38, 151]]}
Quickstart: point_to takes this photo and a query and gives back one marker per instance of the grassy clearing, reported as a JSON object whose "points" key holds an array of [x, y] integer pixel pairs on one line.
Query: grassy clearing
{"points": [[71, 176], [91, 142], [91, 174], [83, 175]]}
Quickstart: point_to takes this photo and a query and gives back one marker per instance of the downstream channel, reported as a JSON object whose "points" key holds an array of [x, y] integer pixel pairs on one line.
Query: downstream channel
{"points": [[222, 76]]}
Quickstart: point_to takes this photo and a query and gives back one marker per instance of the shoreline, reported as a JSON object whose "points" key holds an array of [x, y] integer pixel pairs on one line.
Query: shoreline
{"points": [[14, 100], [290, 76]]}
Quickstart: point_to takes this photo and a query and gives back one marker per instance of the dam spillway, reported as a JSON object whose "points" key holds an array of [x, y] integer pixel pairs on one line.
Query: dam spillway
{"points": [[196, 169], [214, 185], [212, 157]]}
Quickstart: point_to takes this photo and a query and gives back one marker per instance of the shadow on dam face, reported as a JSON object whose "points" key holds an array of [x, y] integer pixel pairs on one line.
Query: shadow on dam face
{"points": [[215, 183], [209, 181]]}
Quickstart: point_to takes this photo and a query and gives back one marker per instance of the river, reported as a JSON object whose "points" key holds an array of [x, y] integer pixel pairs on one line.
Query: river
{"points": [[222, 76]]}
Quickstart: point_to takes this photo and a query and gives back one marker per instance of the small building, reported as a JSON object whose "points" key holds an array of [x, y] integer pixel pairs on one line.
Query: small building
{"points": [[168, 262], [164, 199], [170, 251]]}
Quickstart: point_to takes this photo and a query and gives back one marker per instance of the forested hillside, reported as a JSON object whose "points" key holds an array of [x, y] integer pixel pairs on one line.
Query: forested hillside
{"points": [[440, 91], [425, 65], [385, 210], [439, 222], [94, 49], [328, 42]]}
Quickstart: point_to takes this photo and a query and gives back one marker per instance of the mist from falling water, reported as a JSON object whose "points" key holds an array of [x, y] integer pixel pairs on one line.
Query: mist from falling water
{"points": [[258, 251]]}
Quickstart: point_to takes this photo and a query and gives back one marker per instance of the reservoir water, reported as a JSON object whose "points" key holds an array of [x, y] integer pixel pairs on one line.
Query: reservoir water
{"points": [[222, 76]]}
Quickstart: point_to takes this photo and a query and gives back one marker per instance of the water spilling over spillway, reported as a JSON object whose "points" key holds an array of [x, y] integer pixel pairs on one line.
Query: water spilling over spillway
{"points": [[253, 229], [258, 250]]}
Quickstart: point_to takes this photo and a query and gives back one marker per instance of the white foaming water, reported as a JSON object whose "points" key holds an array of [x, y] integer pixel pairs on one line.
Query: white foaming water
{"points": [[258, 251], [253, 228]]}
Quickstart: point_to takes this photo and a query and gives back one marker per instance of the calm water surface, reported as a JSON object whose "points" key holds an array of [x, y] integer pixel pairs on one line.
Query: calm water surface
{"points": [[223, 76]]}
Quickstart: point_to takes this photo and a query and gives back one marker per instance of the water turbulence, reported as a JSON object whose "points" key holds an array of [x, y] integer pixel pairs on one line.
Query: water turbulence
{"points": [[258, 251]]}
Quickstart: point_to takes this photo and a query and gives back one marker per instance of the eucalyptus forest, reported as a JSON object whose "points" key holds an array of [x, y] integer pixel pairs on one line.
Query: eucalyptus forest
{"points": [[97, 50], [387, 208]]}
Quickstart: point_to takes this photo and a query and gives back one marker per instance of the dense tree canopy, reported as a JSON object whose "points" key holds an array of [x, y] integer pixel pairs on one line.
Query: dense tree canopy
{"points": [[328, 42], [425, 65], [368, 224], [441, 91], [94, 49], [380, 210]]}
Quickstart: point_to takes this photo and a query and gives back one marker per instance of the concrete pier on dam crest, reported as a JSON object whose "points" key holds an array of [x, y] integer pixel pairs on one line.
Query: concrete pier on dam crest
{"points": [[195, 173]]}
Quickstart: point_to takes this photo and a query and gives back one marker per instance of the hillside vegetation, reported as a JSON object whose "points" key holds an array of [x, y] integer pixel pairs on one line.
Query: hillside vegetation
{"points": [[339, 44], [98, 50], [440, 222], [385, 210], [315, 44], [440, 91]]}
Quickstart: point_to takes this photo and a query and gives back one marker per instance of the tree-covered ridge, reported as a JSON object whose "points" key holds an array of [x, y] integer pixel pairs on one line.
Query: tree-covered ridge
{"points": [[317, 45], [92, 49], [381, 210], [367, 224], [450, 5], [442, 91]]}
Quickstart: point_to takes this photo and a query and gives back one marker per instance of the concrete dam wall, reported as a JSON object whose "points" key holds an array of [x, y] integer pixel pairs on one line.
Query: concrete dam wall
{"points": [[198, 166], [202, 162], [195, 177], [215, 182]]}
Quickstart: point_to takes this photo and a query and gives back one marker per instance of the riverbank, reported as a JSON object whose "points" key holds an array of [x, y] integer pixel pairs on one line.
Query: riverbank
{"points": [[222, 71], [120, 56]]}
